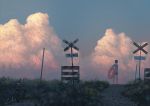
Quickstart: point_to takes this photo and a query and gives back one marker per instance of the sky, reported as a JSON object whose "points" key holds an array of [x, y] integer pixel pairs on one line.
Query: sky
{"points": [[105, 29]]}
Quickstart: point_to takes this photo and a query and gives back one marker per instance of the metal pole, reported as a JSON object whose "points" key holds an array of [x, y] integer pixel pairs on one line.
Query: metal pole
{"points": [[140, 66], [73, 104], [42, 64], [135, 72], [72, 65]]}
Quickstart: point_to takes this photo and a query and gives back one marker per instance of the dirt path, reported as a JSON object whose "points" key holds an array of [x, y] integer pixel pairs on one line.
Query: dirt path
{"points": [[112, 97]]}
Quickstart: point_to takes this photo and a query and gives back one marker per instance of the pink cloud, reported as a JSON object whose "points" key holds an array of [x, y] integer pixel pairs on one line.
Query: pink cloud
{"points": [[21, 44], [115, 46]]}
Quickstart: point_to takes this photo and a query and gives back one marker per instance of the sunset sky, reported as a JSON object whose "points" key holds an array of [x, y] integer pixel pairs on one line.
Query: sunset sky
{"points": [[105, 29]]}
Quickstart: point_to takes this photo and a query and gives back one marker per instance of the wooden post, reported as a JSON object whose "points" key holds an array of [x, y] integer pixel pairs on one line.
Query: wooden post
{"points": [[42, 64]]}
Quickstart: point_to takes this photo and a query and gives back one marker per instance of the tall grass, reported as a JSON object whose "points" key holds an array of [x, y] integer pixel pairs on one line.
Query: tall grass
{"points": [[51, 93], [138, 91]]}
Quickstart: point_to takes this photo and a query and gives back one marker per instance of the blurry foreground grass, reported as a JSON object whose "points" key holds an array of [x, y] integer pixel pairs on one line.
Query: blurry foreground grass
{"points": [[138, 91], [51, 93]]}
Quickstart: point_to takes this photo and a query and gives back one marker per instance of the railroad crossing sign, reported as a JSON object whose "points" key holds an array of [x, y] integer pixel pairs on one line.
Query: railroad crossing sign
{"points": [[140, 48], [71, 45], [70, 73]]}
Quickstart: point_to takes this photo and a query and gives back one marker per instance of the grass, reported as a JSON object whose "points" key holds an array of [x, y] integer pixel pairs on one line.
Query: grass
{"points": [[138, 91], [51, 93]]}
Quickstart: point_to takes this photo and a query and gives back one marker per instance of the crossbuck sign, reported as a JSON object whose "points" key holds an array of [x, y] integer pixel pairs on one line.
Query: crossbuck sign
{"points": [[140, 48]]}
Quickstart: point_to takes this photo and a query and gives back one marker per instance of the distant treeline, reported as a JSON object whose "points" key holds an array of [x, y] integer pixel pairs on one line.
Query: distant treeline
{"points": [[51, 93]]}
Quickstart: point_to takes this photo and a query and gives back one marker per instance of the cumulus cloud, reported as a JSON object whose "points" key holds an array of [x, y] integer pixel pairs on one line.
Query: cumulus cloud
{"points": [[21, 44], [21, 51], [114, 46]]}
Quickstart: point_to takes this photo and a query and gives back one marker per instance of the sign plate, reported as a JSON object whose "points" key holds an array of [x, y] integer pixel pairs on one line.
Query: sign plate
{"points": [[70, 73], [147, 74], [139, 57], [70, 67], [70, 78], [72, 55]]}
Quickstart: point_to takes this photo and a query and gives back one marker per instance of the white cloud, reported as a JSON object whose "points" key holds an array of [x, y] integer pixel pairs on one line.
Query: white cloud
{"points": [[21, 51], [21, 45], [115, 46]]}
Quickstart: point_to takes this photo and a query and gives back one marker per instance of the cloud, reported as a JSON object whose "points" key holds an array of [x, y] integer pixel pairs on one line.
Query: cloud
{"points": [[114, 46], [21, 52], [21, 44]]}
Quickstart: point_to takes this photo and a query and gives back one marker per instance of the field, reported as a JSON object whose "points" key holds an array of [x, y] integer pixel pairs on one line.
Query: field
{"points": [[50, 93]]}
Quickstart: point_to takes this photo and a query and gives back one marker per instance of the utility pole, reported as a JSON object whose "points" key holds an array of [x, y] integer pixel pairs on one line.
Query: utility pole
{"points": [[42, 64]]}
